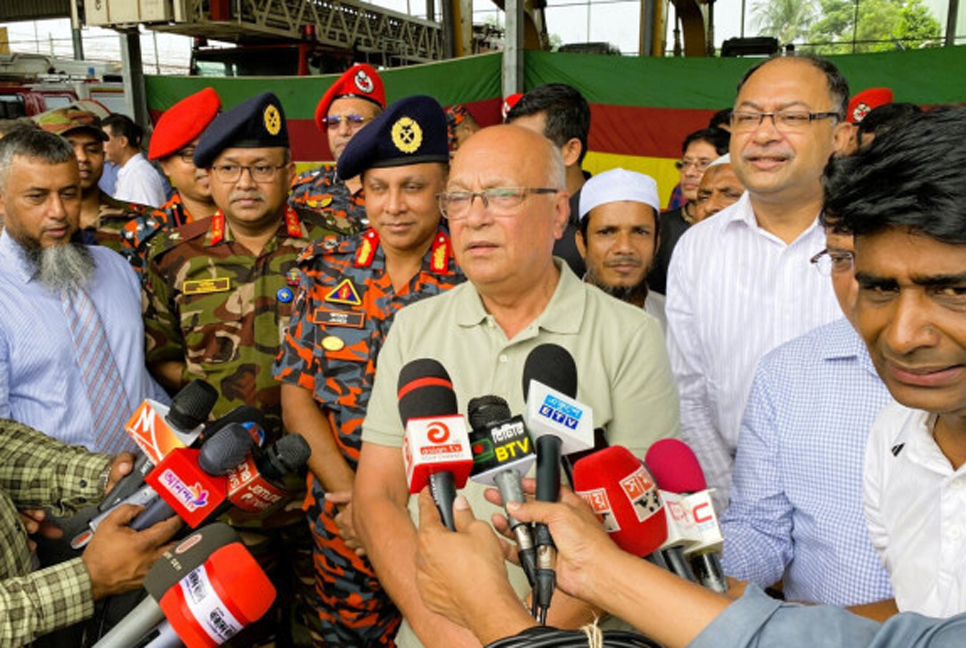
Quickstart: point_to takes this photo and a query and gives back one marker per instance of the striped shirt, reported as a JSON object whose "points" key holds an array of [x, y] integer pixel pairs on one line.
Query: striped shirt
{"points": [[40, 384], [735, 292], [796, 497]]}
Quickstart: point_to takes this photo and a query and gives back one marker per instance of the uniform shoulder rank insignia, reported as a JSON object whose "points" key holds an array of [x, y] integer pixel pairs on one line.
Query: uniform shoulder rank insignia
{"points": [[407, 135], [217, 227], [344, 293], [439, 256], [367, 249], [292, 224]]}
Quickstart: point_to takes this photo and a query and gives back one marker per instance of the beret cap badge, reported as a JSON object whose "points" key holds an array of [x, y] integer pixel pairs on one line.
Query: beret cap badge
{"points": [[273, 120], [407, 135]]}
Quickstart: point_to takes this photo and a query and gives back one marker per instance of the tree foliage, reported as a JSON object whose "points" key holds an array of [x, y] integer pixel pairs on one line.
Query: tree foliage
{"points": [[831, 26]]}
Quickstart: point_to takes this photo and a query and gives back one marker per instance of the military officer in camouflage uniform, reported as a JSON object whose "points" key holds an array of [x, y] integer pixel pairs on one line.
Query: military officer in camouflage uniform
{"points": [[347, 298], [173, 146], [102, 217], [353, 101], [218, 291]]}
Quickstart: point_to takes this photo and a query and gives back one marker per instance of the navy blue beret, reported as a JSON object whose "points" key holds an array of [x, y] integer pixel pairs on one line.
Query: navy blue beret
{"points": [[254, 123], [410, 131]]}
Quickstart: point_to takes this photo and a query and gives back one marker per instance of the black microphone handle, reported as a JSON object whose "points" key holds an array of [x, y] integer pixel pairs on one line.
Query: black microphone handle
{"points": [[128, 485], [157, 511], [548, 481], [673, 560], [707, 569], [443, 489]]}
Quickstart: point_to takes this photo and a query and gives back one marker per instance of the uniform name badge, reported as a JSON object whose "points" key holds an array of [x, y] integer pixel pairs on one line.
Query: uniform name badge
{"points": [[348, 319], [205, 286]]}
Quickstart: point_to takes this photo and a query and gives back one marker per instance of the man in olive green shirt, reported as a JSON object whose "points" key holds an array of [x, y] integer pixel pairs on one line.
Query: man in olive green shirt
{"points": [[518, 297], [37, 471]]}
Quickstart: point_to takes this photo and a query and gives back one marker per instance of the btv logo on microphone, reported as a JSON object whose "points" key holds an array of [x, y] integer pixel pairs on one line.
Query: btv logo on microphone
{"points": [[192, 497], [560, 412]]}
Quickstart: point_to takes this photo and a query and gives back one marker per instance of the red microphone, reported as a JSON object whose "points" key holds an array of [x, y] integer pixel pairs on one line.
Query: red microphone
{"points": [[436, 447], [215, 601], [256, 485], [620, 490], [195, 495], [679, 475]]}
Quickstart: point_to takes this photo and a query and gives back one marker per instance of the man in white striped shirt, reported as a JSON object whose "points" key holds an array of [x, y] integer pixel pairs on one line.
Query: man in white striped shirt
{"points": [[740, 282]]}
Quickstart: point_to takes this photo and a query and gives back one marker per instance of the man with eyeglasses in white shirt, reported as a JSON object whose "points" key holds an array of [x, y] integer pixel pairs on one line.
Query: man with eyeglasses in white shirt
{"points": [[506, 206], [355, 99], [740, 283]]}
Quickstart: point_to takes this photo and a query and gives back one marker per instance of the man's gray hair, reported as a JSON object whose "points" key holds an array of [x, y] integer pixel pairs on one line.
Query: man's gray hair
{"points": [[34, 144]]}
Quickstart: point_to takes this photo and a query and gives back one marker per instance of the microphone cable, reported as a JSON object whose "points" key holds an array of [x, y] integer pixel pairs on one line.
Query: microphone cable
{"points": [[543, 637]]}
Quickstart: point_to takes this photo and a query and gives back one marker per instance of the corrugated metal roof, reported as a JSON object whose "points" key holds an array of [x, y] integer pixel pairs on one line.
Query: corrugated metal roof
{"points": [[14, 10]]}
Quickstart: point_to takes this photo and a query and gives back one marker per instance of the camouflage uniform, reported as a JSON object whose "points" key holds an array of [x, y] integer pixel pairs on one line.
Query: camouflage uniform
{"points": [[343, 311], [322, 190], [212, 305], [112, 217], [138, 232]]}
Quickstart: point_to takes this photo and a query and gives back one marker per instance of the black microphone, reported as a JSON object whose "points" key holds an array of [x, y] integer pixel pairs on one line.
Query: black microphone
{"points": [[183, 421], [502, 454], [560, 425], [257, 484], [436, 447]]}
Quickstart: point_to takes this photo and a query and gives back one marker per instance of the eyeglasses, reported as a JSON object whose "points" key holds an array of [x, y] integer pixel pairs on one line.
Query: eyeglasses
{"points": [[232, 172], [699, 165], [829, 263], [743, 121], [500, 201], [187, 155], [352, 121]]}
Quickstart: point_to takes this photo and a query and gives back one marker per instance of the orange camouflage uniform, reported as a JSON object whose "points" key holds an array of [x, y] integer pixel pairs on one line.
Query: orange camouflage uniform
{"points": [[321, 189], [139, 231], [343, 310]]}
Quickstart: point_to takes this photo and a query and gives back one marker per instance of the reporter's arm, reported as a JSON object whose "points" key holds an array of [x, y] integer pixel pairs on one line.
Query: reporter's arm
{"points": [[382, 521], [37, 471]]}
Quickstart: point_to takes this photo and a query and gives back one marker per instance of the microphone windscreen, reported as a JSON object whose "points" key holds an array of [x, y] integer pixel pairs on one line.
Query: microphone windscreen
{"points": [[483, 410], [191, 406], [225, 450], [424, 390], [218, 599], [286, 455], [186, 556], [621, 491], [675, 467], [553, 366]]}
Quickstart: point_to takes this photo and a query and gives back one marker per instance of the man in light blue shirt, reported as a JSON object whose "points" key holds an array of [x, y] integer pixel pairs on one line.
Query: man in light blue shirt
{"points": [[796, 494], [41, 380]]}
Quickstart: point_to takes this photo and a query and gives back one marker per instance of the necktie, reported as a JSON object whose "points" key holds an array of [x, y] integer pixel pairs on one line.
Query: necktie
{"points": [[105, 390]]}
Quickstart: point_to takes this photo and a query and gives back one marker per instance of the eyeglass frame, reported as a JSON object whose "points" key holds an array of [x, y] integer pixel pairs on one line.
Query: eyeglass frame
{"points": [[827, 268], [700, 165], [525, 192], [217, 169], [776, 119], [355, 119], [186, 157]]}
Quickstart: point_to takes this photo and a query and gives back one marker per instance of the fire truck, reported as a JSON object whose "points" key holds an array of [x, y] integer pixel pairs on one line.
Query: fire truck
{"points": [[34, 83]]}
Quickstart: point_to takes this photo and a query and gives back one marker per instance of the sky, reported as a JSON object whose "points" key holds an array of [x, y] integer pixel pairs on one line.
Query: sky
{"points": [[574, 21]]}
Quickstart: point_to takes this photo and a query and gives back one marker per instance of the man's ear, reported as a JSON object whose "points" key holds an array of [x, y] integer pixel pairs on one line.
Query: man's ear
{"points": [[581, 244], [571, 151]]}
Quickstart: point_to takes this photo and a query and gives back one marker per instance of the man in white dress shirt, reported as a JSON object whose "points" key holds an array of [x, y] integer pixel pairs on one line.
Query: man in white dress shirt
{"points": [[137, 179], [904, 198], [740, 283]]}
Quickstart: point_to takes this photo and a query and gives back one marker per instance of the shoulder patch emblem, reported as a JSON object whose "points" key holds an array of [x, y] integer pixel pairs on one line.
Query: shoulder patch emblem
{"points": [[344, 293]]}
